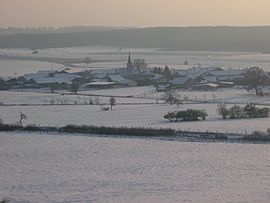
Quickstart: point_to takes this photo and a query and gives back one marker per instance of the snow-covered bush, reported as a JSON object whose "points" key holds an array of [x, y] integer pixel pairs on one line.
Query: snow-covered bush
{"points": [[188, 115], [237, 112]]}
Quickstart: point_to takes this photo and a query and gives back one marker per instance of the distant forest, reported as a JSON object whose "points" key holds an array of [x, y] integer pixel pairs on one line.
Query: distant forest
{"points": [[165, 38]]}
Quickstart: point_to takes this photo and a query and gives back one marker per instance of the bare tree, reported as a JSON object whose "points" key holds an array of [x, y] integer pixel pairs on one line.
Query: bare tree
{"points": [[22, 117], [171, 97], [87, 60], [112, 102], [178, 102]]}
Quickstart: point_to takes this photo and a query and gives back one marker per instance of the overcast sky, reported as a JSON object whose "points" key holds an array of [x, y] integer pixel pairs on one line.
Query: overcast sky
{"points": [[140, 13]]}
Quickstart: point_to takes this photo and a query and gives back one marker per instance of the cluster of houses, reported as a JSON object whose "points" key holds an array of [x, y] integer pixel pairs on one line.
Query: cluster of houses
{"points": [[136, 73], [207, 78]]}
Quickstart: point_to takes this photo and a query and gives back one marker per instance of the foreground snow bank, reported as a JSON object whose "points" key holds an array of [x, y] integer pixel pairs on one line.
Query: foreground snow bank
{"points": [[45, 168]]}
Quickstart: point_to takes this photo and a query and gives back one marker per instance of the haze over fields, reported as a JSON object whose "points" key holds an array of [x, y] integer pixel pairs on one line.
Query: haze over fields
{"points": [[139, 13]]}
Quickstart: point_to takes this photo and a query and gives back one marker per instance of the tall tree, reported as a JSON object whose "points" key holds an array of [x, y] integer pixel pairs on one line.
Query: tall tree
{"points": [[254, 78], [167, 72], [75, 87], [112, 102], [87, 60]]}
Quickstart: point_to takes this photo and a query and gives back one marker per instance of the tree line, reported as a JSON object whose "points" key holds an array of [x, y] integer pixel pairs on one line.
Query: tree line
{"points": [[235, 112]]}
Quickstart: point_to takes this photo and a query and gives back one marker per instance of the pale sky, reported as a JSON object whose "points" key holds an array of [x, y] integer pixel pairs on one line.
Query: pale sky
{"points": [[138, 13]]}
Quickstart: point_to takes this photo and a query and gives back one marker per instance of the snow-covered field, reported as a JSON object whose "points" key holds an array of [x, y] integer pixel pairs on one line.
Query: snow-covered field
{"points": [[113, 57], [145, 94], [129, 116], [24, 97], [44, 168], [129, 113], [130, 91], [15, 68], [60, 168]]}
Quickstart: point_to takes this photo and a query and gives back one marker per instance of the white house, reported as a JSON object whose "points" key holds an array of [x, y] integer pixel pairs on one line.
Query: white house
{"points": [[121, 81], [48, 77]]}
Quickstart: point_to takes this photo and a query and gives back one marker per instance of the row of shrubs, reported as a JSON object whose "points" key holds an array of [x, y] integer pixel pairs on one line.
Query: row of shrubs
{"points": [[187, 115], [30, 128], [144, 132], [117, 130], [237, 112], [91, 130]]}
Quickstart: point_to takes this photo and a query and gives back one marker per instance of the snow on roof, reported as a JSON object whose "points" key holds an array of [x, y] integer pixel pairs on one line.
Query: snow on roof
{"points": [[158, 76], [100, 83], [207, 84], [180, 80], [104, 71], [210, 78], [226, 83], [117, 78], [43, 77], [198, 70], [231, 72], [71, 70]]}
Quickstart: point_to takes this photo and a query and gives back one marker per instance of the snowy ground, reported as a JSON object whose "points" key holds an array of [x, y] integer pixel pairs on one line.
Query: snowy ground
{"points": [[145, 94], [130, 116], [26, 97], [15, 68], [44, 168], [118, 59], [129, 113]]}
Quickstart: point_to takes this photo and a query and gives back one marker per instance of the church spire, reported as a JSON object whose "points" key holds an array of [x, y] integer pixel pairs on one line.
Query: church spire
{"points": [[129, 59], [129, 63]]}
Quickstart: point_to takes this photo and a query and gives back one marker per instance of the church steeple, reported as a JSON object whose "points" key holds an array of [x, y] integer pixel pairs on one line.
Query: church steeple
{"points": [[129, 63], [129, 59]]}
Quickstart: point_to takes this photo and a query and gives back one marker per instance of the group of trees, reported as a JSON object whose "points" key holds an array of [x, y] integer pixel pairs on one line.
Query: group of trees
{"points": [[74, 87], [166, 71], [237, 112], [255, 78], [172, 98], [187, 115]]}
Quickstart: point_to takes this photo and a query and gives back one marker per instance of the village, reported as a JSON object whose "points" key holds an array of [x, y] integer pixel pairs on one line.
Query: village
{"points": [[136, 73], [141, 95]]}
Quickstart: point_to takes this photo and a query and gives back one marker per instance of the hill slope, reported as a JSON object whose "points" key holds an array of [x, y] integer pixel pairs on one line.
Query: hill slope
{"points": [[182, 39]]}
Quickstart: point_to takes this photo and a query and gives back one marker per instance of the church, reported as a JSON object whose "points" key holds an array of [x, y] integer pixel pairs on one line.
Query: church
{"points": [[129, 63]]}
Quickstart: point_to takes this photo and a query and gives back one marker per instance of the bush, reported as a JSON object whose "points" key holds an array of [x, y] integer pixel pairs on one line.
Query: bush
{"points": [[5, 200], [221, 137], [264, 112], [31, 127], [117, 131], [188, 115], [10, 127], [171, 116], [257, 136], [237, 112], [223, 111], [250, 110]]}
